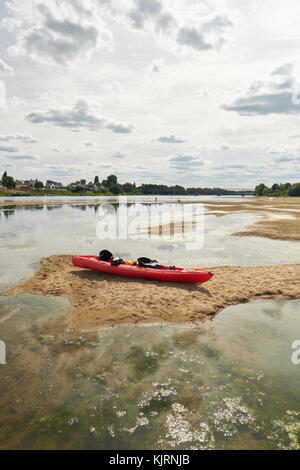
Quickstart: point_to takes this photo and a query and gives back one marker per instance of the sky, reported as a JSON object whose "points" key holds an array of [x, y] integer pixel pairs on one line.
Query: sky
{"points": [[190, 92]]}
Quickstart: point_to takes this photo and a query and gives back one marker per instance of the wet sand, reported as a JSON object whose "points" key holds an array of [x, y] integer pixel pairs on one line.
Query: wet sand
{"points": [[280, 217], [102, 300]]}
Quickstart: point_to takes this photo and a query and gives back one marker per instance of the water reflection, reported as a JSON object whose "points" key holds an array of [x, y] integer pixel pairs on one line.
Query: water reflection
{"points": [[226, 384]]}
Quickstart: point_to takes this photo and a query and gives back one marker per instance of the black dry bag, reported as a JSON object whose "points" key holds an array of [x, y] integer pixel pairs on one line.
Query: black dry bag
{"points": [[105, 255], [148, 263]]}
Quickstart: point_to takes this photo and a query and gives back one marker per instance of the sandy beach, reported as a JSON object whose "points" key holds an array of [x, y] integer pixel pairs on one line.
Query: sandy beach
{"points": [[101, 300]]}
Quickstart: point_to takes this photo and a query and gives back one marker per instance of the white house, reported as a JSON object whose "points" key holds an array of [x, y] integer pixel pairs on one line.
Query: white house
{"points": [[52, 185]]}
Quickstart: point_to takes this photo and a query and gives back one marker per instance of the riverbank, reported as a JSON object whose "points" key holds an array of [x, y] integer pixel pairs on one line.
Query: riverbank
{"points": [[101, 300], [48, 193]]}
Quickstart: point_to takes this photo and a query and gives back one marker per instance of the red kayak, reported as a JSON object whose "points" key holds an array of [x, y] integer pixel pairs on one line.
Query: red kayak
{"points": [[163, 274]]}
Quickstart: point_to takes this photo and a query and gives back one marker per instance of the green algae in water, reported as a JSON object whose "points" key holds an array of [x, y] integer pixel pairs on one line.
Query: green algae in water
{"points": [[227, 384]]}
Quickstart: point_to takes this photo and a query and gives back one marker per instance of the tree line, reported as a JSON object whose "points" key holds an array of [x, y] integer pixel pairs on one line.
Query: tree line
{"points": [[283, 190], [111, 185]]}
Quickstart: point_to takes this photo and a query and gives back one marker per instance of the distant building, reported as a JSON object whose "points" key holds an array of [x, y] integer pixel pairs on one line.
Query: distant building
{"points": [[86, 187], [19, 184], [28, 184], [92, 187], [52, 185]]}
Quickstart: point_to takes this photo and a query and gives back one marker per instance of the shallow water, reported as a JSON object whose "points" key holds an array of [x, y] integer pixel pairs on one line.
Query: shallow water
{"points": [[29, 233], [229, 383]]}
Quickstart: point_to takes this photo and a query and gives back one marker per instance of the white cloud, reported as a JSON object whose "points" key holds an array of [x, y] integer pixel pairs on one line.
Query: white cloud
{"points": [[5, 69], [69, 32], [185, 162], [23, 157], [118, 155], [285, 69], [218, 23], [145, 11], [26, 139], [156, 66], [8, 148], [62, 33], [193, 38], [79, 117], [275, 96], [171, 140]]}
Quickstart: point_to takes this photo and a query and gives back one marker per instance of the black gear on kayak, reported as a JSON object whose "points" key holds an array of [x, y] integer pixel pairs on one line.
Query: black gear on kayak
{"points": [[148, 263], [144, 261], [172, 268], [105, 255], [117, 261]]}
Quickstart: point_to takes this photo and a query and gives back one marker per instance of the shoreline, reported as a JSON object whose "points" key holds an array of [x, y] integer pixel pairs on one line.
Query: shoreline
{"points": [[100, 300], [7, 205]]}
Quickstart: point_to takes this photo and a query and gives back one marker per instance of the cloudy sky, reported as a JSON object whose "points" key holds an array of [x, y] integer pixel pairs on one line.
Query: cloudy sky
{"points": [[191, 92]]}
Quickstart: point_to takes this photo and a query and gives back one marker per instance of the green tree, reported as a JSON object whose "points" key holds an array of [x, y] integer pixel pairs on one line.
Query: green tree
{"points": [[96, 180], [9, 182], [295, 190], [284, 189], [112, 180], [3, 180], [128, 188], [38, 184], [260, 189], [115, 188], [78, 189]]}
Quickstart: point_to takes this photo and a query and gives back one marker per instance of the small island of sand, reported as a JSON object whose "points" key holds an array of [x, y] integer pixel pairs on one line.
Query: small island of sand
{"points": [[102, 300]]}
